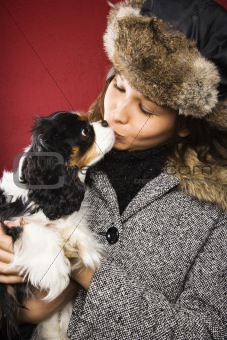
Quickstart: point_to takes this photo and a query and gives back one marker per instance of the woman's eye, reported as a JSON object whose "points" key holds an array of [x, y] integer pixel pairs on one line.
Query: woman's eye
{"points": [[84, 132], [120, 89], [145, 111]]}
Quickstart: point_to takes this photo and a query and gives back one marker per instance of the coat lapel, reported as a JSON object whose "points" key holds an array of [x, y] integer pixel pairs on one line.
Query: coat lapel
{"points": [[150, 192], [103, 187]]}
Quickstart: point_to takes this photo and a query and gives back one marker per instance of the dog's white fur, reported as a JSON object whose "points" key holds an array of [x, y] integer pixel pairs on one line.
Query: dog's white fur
{"points": [[40, 250]]}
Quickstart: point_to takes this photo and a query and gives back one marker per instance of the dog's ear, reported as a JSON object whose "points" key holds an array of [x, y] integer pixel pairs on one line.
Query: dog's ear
{"points": [[54, 187], [2, 197]]}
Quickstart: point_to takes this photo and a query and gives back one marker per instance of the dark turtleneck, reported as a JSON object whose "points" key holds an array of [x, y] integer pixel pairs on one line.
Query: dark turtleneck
{"points": [[129, 171]]}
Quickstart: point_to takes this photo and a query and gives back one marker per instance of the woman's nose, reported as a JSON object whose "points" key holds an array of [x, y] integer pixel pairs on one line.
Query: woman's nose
{"points": [[121, 112]]}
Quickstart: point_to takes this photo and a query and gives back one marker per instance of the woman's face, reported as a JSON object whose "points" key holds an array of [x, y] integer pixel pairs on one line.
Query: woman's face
{"points": [[138, 123]]}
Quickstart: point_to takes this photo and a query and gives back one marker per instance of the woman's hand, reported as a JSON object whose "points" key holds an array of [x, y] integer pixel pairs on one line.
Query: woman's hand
{"points": [[38, 309], [8, 276], [83, 275]]}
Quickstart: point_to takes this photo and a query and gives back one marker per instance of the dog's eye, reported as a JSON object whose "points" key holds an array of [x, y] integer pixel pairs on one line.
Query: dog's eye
{"points": [[84, 132]]}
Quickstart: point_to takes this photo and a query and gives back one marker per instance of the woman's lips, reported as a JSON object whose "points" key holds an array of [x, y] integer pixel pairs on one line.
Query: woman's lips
{"points": [[117, 136]]}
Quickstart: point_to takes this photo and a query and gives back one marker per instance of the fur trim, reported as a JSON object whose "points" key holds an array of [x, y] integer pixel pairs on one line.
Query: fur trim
{"points": [[203, 181], [162, 63], [218, 116]]}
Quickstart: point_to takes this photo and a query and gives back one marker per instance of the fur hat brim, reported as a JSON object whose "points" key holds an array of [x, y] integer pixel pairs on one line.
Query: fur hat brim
{"points": [[162, 63]]}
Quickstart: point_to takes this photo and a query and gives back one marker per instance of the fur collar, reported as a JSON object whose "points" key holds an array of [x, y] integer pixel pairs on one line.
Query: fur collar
{"points": [[205, 182]]}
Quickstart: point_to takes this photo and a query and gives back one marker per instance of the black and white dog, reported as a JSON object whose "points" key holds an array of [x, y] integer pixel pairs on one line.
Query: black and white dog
{"points": [[50, 198]]}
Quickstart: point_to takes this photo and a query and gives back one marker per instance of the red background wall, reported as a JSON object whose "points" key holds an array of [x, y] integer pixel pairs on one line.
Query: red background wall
{"points": [[52, 58]]}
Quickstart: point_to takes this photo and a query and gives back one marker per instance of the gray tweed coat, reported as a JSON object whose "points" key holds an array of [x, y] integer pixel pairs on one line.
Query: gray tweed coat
{"points": [[164, 278]]}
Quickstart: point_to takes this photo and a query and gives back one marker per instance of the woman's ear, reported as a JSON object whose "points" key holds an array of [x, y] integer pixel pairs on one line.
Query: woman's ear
{"points": [[183, 132], [182, 125]]}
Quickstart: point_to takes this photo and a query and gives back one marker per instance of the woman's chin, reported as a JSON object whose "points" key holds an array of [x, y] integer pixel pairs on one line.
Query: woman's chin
{"points": [[120, 146]]}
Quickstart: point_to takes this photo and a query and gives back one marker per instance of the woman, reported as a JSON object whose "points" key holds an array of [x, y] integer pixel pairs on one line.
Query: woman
{"points": [[158, 200]]}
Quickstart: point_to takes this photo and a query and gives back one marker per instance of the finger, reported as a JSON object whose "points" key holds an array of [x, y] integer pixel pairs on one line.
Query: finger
{"points": [[2, 232], [6, 256], [11, 224], [10, 279], [6, 242], [5, 269]]}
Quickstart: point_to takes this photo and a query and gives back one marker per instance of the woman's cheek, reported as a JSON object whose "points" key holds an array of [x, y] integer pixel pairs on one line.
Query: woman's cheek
{"points": [[107, 111], [109, 101]]}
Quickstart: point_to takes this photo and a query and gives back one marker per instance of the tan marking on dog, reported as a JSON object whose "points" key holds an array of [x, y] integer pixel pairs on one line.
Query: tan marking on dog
{"points": [[83, 117], [84, 160], [70, 254], [11, 292], [71, 247]]}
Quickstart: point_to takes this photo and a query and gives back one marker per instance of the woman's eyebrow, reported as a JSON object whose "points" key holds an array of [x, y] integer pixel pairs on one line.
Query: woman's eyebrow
{"points": [[147, 98], [122, 78], [153, 103]]}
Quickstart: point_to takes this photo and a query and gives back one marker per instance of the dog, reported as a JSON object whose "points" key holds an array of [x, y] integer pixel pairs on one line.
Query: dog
{"points": [[50, 196]]}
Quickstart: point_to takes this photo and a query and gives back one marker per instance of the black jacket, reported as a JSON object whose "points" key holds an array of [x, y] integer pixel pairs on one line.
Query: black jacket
{"points": [[203, 21]]}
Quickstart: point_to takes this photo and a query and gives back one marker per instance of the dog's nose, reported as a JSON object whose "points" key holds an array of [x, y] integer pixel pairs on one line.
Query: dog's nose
{"points": [[104, 123]]}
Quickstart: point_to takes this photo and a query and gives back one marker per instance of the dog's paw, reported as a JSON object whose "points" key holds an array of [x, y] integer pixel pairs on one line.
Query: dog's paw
{"points": [[82, 245]]}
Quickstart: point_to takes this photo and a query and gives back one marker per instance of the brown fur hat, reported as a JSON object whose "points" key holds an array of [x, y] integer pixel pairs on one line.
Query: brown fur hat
{"points": [[163, 64]]}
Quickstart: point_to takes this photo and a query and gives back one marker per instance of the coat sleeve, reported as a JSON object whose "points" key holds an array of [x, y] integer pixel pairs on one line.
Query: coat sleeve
{"points": [[118, 306]]}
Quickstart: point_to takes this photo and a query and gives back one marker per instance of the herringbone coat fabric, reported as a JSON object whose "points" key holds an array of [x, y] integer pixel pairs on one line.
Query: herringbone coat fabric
{"points": [[164, 278]]}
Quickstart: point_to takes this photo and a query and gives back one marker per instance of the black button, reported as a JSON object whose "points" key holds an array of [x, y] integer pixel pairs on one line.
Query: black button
{"points": [[112, 235]]}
